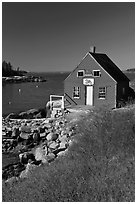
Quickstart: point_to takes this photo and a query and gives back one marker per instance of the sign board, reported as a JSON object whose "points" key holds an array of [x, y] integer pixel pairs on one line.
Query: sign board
{"points": [[88, 81]]}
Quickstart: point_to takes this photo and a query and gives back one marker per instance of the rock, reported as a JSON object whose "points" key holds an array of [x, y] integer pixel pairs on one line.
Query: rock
{"points": [[13, 143], [24, 135], [23, 174], [43, 134], [38, 115], [52, 136], [10, 116], [49, 136], [15, 132], [26, 129], [47, 125], [3, 129], [63, 145], [10, 133], [27, 171], [11, 180], [32, 111], [36, 137], [25, 157], [41, 129], [50, 157], [50, 120], [53, 145], [43, 112], [4, 134], [63, 138], [61, 153], [8, 129], [23, 115], [40, 153]]}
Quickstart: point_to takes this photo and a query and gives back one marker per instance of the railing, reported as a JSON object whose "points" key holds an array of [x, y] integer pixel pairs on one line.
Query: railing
{"points": [[57, 102], [60, 104], [70, 99]]}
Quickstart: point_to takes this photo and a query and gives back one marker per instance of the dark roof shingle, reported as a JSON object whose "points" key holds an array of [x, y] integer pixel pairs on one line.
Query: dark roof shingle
{"points": [[109, 67]]}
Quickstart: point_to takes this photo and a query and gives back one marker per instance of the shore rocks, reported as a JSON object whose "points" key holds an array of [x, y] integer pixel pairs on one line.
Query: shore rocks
{"points": [[29, 114], [50, 157], [53, 145], [51, 136], [40, 153], [38, 141], [25, 157], [12, 170]]}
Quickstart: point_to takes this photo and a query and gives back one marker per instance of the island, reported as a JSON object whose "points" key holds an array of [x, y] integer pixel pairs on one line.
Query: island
{"points": [[13, 75]]}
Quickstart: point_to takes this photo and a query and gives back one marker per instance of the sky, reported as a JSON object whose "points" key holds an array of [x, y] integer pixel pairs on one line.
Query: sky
{"points": [[55, 36]]}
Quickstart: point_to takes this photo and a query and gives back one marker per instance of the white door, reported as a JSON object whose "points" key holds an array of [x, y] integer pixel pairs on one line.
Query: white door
{"points": [[89, 96]]}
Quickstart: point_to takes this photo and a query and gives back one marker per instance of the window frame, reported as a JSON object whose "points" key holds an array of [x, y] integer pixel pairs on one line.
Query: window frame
{"points": [[76, 89], [82, 70], [102, 92], [97, 71]]}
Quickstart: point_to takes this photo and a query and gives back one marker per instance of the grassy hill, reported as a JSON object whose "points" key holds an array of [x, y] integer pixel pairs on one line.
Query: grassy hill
{"points": [[99, 166]]}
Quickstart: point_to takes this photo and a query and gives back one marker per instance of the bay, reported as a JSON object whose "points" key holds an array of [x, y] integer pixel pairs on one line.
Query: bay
{"points": [[18, 97]]}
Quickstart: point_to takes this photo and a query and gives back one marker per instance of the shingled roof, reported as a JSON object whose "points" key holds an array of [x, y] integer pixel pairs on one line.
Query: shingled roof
{"points": [[107, 64]]}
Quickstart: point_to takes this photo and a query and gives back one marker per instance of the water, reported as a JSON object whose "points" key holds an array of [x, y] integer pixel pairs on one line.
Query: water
{"points": [[18, 97]]}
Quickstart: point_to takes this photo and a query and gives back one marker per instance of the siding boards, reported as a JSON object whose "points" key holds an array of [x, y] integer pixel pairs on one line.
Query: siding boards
{"points": [[89, 64]]}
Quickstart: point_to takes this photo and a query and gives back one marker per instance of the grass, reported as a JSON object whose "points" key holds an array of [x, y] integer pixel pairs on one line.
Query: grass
{"points": [[98, 167]]}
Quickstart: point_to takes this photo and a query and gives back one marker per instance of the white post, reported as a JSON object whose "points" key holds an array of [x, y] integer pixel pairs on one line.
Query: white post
{"points": [[62, 102]]}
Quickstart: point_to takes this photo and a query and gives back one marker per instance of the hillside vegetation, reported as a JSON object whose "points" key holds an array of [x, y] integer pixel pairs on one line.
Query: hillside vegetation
{"points": [[98, 166]]}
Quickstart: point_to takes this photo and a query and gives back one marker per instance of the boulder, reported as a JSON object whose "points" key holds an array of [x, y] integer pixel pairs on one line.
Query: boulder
{"points": [[4, 134], [26, 129], [24, 135], [10, 133], [32, 111], [50, 157], [36, 137], [27, 171], [40, 153], [63, 138], [52, 136], [38, 115], [43, 134], [11, 116], [24, 174], [41, 129], [43, 112], [15, 132], [25, 157], [11, 180], [63, 145], [47, 125], [23, 115], [53, 145]]}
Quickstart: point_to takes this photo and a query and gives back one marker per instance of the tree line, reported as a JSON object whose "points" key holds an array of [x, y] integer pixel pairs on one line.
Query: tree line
{"points": [[8, 70]]}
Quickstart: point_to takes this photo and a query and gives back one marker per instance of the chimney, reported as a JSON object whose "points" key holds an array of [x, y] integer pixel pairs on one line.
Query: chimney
{"points": [[92, 49]]}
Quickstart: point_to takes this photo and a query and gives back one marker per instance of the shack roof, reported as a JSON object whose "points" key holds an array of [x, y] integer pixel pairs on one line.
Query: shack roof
{"points": [[107, 64]]}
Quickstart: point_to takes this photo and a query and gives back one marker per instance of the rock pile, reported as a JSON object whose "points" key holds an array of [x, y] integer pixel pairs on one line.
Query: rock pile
{"points": [[30, 114], [35, 114], [37, 141]]}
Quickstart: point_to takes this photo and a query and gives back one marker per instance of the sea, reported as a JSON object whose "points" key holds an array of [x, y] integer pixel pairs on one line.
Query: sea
{"points": [[18, 97]]}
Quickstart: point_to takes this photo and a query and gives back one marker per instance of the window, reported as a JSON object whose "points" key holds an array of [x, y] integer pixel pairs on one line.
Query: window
{"points": [[80, 73], [123, 90], [96, 73], [76, 92], [102, 92]]}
